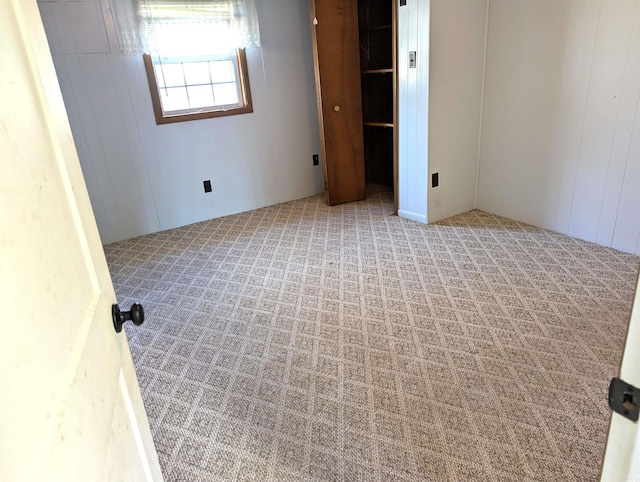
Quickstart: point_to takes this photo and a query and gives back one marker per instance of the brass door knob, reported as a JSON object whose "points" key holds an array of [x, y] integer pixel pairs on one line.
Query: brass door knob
{"points": [[336, 108]]}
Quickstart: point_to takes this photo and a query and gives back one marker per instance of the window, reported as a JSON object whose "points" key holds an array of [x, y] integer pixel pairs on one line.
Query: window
{"points": [[190, 88], [193, 53]]}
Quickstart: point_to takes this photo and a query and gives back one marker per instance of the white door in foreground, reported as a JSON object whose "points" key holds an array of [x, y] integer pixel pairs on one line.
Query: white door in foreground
{"points": [[70, 405], [622, 456]]}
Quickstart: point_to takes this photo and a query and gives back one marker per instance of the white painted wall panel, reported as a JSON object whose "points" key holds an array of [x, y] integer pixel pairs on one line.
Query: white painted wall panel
{"points": [[404, 40], [531, 118], [422, 106], [602, 116], [621, 149], [88, 27], [576, 34], [290, 81], [627, 229], [455, 95], [63, 29], [121, 169], [137, 162], [560, 104], [93, 186], [48, 21], [266, 173], [95, 165], [439, 105], [143, 177], [413, 109]]}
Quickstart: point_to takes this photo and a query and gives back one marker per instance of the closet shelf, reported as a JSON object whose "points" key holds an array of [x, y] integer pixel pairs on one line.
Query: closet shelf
{"points": [[378, 80], [378, 71], [377, 123], [381, 27]]}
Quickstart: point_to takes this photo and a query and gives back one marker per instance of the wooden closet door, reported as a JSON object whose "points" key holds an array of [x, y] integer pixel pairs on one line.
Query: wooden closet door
{"points": [[337, 67]]}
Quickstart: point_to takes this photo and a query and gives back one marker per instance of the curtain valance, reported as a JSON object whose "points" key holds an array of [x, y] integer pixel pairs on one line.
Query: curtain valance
{"points": [[187, 27]]}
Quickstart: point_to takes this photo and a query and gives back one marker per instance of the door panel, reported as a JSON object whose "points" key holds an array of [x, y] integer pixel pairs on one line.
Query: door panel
{"points": [[622, 455], [337, 63], [64, 411]]}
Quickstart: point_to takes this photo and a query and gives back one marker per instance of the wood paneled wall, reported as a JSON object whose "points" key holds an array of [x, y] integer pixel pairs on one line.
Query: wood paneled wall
{"points": [[144, 178], [439, 105], [561, 124], [560, 144], [413, 109], [455, 98]]}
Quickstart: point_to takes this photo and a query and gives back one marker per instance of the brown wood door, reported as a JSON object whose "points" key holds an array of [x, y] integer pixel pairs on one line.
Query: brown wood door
{"points": [[337, 66]]}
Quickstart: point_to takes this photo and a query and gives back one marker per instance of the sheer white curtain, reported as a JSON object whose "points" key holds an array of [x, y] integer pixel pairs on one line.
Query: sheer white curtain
{"points": [[185, 28]]}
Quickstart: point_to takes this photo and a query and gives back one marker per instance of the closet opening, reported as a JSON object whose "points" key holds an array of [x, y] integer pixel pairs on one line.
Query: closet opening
{"points": [[377, 46]]}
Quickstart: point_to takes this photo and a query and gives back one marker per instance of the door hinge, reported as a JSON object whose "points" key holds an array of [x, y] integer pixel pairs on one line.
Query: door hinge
{"points": [[403, 3], [624, 399]]}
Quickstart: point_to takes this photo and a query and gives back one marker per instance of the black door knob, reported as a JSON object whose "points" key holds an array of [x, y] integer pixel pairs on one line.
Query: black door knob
{"points": [[135, 315]]}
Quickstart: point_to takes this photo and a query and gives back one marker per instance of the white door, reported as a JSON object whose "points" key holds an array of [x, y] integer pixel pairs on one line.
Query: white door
{"points": [[70, 405], [622, 456]]}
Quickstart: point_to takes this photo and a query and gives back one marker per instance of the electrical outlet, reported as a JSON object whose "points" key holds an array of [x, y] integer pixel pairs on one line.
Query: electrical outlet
{"points": [[207, 185], [434, 179], [316, 160]]}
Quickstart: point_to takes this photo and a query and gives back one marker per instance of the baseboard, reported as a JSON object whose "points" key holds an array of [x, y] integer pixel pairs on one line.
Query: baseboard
{"points": [[421, 218]]}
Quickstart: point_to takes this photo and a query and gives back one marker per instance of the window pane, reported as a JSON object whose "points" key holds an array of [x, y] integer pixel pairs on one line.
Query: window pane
{"points": [[174, 98], [225, 94], [159, 76], [223, 71], [196, 73], [200, 96], [173, 75]]}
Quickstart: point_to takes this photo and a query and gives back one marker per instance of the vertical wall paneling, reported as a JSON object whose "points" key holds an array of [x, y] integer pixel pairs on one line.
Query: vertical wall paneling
{"points": [[601, 116], [627, 229], [131, 139], [63, 30], [138, 92], [456, 58], [559, 145], [87, 27], [577, 34], [93, 187], [402, 19], [48, 21], [266, 187], [112, 135], [287, 66], [620, 159], [422, 85], [439, 105], [96, 164], [482, 96], [173, 156], [413, 108], [143, 177], [531, 119]]}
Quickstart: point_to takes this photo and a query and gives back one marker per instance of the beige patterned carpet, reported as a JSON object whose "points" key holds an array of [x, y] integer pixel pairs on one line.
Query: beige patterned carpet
{"points": [[303, 342]]}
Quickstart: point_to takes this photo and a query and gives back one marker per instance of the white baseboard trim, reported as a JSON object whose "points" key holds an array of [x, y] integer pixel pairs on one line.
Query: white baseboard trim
{"points": [[421, 218]]}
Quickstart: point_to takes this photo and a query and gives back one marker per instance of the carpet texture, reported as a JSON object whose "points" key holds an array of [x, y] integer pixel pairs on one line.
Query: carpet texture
{"points": [[306, 342]]}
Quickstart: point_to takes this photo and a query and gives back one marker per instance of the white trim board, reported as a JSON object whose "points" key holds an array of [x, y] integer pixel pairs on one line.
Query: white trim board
{"points": [[421, 218]]}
